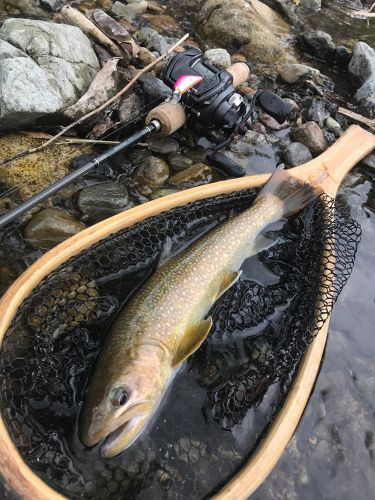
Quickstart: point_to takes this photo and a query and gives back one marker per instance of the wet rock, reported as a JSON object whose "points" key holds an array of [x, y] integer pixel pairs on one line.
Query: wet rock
{"points": [[342, 57], [316, 112], [369, 161], [252, 27], [153, 172], [193, 176], [160, 193], [164, 146], [179, 162], [129, 11], [154, 87], [271, 123], [53, 65], [51, 226], [292, 73], [53, 5], [220, 58], [332, 125], [318, 43], [311, 6], [311, 135], [160, 43], [362, 67], [145, 57], [130, 108], [31, 174], [144, 35], [103, 200], [297, 154]]}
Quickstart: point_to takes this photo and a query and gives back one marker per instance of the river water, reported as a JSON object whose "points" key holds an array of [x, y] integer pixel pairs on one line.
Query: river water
{"points": [[331, 455]]}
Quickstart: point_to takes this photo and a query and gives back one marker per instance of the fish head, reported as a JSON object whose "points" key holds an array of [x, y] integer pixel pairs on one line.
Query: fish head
{"points": [[119, 404]]}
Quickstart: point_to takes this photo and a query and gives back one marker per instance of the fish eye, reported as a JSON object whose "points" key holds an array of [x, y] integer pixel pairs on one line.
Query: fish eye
{"points": [[119, 396]]}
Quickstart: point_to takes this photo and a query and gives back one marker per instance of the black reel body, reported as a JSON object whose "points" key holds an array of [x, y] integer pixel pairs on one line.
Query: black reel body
{"points": [[214, 104], [214, 101]]}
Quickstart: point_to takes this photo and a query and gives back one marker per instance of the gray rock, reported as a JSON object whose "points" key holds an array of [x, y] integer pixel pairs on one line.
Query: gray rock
{"points": [[50, 227], [179, 162], [103, 200], [193, 176], [154, 87], [316, 112], [144, 35], [362, 66], [159, 43], [129, 11], [311, 135], [369, 161], [318, 43], [311, 6], [164, 146], [130, 108], [252, 26], [297, 154], [153, 172], [291, 73], [53, 5], [332, 125], [53, 65], [218, 57]]}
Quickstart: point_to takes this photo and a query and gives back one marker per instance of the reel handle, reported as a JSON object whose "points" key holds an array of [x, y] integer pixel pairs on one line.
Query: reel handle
{"points": [[172, 115]]}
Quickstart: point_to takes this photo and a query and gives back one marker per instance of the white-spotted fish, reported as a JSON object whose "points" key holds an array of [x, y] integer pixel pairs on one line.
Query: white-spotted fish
{"points": [[166, 321]]}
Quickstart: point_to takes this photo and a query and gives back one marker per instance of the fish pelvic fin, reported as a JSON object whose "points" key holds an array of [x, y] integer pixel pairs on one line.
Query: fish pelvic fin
{"points": [[193, 338], [292, 192], [229, 279]]}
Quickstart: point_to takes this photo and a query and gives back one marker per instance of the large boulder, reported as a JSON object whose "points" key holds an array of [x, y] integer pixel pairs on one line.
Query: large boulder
{"points": [[44, 68], [362, 67], [247, 25]]}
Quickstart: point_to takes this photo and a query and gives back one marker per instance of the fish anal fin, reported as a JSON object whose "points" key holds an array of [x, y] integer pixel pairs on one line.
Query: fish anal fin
{"points": [[191, 341], [229, 279]]}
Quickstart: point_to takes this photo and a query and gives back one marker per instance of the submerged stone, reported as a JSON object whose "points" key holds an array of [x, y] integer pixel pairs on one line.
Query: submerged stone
{"points": [[51, 226], [103, 200], [297, 154], [193, 176]]}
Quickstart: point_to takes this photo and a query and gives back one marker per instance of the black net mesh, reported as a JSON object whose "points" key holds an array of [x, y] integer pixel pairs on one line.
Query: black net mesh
{"points": [[236, 382]]}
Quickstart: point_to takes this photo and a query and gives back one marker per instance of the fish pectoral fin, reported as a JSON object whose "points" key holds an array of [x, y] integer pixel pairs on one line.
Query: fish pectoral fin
{"points": [[191, 341], [229, 279], [261, 243]]}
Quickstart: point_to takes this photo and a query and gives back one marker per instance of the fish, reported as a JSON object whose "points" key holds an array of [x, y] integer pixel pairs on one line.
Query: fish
{"points": [[167, 320]]}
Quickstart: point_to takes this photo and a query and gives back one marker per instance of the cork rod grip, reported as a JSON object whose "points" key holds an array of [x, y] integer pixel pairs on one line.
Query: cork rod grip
{"points": [[172, 115]]}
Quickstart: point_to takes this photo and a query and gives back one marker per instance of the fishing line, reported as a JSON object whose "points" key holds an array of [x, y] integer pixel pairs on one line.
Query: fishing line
{"points": [[85, 147]]}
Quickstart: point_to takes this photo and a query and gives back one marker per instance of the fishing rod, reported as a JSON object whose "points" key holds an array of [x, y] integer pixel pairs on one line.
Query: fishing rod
{"points": [[203, 94]]}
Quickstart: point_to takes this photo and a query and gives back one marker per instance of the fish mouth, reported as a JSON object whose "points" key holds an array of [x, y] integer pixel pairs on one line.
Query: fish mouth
{"points": [[124, 436]]}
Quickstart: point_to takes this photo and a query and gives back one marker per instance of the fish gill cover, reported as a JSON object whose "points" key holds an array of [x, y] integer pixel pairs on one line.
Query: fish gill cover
{"points": [[236, 382]]}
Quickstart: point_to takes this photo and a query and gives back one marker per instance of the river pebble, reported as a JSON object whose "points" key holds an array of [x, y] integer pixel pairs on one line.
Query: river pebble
{"points": [[51, 226]]}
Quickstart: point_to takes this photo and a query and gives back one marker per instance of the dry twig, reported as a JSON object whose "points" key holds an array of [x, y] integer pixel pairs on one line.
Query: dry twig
{"points": [[359, 118], [97, 110]]}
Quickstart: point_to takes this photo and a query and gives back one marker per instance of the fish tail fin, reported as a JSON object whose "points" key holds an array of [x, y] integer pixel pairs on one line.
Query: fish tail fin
{"points": [[293, 193]]}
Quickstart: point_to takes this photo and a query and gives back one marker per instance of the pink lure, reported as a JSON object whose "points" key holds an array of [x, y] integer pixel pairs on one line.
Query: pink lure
{"points": [[186, 82]]}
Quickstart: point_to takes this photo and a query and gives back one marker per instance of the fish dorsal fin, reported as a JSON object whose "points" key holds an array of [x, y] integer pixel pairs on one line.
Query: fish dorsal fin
{"points": [[191, 341], [229, 279]]}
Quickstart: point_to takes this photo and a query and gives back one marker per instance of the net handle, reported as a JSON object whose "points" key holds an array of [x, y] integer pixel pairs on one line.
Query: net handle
{"points": [[354, 145]]}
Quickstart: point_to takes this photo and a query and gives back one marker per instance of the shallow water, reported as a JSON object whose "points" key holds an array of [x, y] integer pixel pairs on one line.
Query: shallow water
{"points": [[185, 454]]}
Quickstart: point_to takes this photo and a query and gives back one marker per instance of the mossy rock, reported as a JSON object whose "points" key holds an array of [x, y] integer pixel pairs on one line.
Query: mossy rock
{"points": [[34, 172]]}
